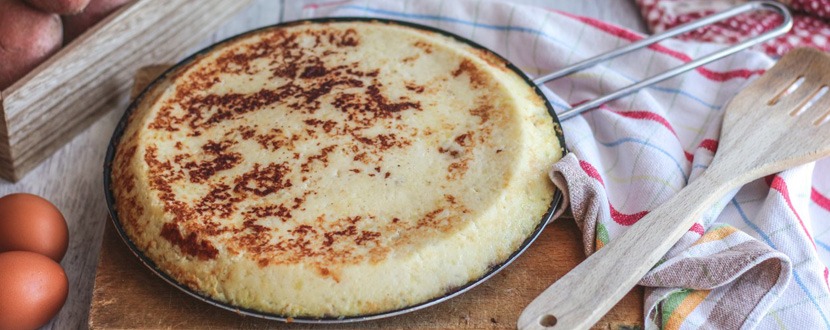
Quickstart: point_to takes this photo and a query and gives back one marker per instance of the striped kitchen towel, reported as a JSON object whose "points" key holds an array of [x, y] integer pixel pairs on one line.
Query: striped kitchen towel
{"points": [[757, 259], [811, 22]]}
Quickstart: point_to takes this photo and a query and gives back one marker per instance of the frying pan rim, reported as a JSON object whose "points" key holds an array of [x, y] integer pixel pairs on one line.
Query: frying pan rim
{"points": [[148, 263]]}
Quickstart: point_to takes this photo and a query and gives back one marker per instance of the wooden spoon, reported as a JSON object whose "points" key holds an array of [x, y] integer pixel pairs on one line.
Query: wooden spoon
{"points": [[776, 123]]}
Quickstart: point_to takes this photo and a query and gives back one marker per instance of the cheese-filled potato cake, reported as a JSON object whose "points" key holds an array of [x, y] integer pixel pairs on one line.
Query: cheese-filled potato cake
{"points": [[334, 169]]}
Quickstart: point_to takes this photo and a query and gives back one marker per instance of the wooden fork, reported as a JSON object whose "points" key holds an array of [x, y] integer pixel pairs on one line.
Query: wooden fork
{"points": [[777, 122]]}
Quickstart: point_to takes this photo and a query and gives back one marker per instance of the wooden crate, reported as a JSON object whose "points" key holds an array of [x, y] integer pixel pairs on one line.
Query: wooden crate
{"points": [[61, 97]]}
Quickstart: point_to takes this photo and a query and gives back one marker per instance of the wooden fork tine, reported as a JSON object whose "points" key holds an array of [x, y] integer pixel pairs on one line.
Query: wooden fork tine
{"points": [[818, 110]]}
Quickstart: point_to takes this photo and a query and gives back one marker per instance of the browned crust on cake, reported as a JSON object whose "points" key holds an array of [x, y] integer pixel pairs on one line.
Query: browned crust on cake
{"points": [[238, 204], [366, 107]]}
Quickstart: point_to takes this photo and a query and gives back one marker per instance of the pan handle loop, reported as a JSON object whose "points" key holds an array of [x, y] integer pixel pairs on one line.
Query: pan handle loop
{"points": [[785, 26]]}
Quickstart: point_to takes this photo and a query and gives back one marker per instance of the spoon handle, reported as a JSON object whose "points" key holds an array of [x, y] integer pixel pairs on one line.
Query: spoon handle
{"points": [[580, 298]]}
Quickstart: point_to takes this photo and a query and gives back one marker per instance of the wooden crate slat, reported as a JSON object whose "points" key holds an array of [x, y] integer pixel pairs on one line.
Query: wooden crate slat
{"points": [[119, 72], [64, 95]]}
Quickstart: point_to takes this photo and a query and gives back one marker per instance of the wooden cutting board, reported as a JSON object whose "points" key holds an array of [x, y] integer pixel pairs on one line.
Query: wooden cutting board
{"points": [[127, 295]]}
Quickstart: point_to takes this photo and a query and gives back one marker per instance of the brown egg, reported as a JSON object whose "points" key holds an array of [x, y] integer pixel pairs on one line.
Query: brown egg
{"points": [[34, 289], [30, 223]]}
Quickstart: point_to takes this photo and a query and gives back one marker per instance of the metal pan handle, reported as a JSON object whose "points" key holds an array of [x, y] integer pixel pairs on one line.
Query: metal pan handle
{"points": [[785, 26]]}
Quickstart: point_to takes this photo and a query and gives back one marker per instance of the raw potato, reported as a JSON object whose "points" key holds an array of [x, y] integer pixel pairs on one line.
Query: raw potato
{"points": [[27, 38], [75, 25], [62, 7]]}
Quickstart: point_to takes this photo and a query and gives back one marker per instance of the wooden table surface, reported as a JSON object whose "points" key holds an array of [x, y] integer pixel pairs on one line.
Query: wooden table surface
{"points": [[72, 177]]}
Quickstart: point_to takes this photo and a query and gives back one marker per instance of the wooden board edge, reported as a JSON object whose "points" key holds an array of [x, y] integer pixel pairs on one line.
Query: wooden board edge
{"points": [[95, 280], [143, 77]]}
